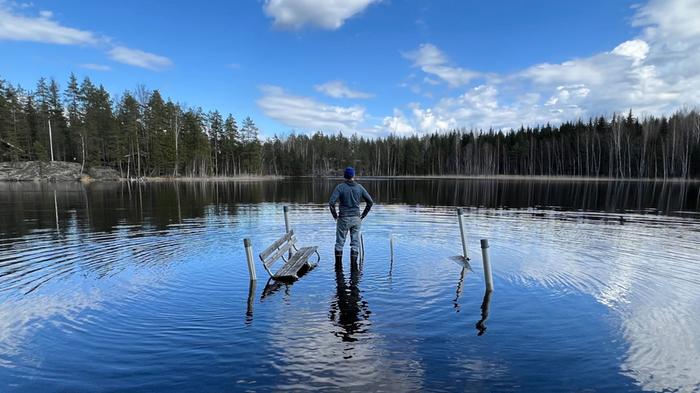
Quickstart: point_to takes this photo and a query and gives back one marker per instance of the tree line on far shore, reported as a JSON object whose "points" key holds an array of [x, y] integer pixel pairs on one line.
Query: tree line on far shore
{"points": [[141, 134]]}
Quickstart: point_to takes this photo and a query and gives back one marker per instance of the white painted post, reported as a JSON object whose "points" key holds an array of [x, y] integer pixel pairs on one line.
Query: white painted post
{"points": [[362, 247], [391, 246], [461, 232], [286, 218], [286, 224], [51, 140], [487, 264], [249, 255], [55, 209]]}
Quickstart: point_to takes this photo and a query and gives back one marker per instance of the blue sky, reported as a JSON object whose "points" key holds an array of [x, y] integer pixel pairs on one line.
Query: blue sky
{"points": [[372, 67]]}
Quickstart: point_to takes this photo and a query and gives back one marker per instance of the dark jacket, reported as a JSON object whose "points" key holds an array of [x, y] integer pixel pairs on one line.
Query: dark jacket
{"points": [[348, 195]]}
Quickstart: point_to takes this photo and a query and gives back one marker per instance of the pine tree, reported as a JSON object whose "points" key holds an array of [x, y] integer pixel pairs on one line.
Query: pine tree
{"points": [[231, 145], [61, 137], [252, 149], [128, 119]]}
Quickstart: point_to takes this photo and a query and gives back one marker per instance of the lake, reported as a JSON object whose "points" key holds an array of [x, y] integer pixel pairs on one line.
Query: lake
{"points": [[118, 286]]}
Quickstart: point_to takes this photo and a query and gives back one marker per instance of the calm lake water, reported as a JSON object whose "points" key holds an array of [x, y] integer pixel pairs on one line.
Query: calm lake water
{"points": [[116, 287]]}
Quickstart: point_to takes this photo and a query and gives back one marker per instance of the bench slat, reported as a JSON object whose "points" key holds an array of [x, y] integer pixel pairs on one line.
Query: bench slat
{"points": [[294, 263], [280, 251], [298, 260], [287, 236]]}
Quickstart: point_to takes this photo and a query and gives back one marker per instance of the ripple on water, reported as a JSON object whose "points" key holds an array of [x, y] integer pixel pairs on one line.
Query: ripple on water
{"points": [[174, 300]]}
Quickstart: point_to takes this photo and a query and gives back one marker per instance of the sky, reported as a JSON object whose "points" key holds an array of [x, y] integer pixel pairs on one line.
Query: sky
{"points": [[372, 67]]}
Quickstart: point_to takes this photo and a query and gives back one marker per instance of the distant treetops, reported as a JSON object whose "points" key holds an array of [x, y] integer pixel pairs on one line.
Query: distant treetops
{"points": [[141, 134]]}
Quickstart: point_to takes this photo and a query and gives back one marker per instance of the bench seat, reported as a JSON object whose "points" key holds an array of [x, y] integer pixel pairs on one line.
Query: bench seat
{"points": [[297, 264]]}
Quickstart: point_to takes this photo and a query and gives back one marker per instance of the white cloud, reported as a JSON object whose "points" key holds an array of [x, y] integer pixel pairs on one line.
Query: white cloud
{"points": [[139, 58], [397, 124], [325, 14], [432, 61], [42, 28], [654, 73], [96, 67], [308, 114], [636, 49], [338, 89]]}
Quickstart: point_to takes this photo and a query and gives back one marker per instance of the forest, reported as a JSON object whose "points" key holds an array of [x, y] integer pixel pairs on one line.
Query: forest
{"points": [[141, 134]]}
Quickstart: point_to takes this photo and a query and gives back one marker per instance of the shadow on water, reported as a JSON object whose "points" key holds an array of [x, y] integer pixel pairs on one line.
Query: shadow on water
{"points": [[273, 286], [485, 304], [460, 288], [251, 301], [349, 311]]}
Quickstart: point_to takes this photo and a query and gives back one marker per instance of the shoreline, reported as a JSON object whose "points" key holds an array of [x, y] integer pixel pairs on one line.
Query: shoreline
{"points": [[527, 178], [237, 178], [260, 178], [58, 172]]}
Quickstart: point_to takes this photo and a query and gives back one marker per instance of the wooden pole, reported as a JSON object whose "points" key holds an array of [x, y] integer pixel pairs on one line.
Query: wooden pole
{"points": [[461, 232], [487, 264], [249, 255], [286, 224]]}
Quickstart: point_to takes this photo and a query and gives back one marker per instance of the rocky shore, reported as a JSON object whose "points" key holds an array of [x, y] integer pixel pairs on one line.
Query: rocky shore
{"points": [[56, 171]]}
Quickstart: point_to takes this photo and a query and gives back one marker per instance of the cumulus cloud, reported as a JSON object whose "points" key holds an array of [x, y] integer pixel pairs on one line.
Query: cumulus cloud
{"points": [[139, 58], [338, 89], [41, 28], [432, 61], [308, 114], [654, 73], [324, 14]]}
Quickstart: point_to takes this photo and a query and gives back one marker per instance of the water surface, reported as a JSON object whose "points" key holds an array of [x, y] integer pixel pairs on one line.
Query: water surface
{"points": [[123, 286]]}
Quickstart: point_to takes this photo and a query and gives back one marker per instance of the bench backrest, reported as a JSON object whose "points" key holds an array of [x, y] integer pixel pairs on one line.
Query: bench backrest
{"points": [[277, 249]]}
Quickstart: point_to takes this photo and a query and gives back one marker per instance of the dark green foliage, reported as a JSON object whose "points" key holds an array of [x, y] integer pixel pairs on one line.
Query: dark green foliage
{"points": [[624, 147], [141, 134]]}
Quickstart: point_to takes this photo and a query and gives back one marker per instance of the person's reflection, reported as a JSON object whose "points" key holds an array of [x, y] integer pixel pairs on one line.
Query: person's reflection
{"points": [[348, 309], [481, 325]]}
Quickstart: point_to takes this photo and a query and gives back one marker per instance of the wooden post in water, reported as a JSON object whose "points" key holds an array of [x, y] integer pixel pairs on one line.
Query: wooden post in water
{"points": [[487, 264], [249, 255], [286, 224], [461, 232]]}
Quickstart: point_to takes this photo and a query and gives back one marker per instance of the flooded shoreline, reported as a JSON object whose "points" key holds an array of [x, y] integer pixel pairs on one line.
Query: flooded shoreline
{"points": [[150, 282]]}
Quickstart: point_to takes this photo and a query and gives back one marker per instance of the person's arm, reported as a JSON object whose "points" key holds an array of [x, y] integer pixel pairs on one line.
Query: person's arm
{"points": [[368, 203], [333, 200]]}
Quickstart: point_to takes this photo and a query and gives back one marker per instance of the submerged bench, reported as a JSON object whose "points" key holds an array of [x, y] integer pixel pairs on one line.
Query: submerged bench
{"points": [[297, 263]]}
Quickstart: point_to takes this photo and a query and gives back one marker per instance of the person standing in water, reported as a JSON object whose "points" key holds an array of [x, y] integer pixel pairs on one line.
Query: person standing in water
{"points": [[348, 195]]}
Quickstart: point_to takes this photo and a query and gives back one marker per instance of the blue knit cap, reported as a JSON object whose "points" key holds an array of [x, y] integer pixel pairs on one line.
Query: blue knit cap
{"points": [[349, 172]]}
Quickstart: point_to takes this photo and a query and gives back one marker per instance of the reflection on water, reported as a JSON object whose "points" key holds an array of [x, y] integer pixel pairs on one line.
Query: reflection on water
{"points": [[597, 284], [348, 310], [485, 304], [104, 206]]}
